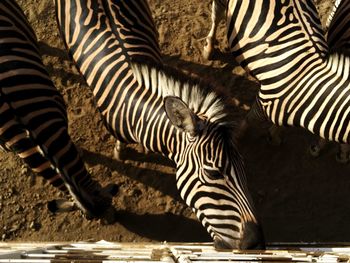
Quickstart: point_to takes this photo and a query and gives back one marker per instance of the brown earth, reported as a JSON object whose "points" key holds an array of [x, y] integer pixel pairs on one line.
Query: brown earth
{"points": [[298, 198]]}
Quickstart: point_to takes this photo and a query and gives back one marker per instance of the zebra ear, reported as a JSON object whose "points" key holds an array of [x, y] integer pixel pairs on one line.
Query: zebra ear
{"points": [[181, 116]]}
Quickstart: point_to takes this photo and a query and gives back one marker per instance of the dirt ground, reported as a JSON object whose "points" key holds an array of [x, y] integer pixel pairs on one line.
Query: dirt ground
{"points": [[298, 198]]}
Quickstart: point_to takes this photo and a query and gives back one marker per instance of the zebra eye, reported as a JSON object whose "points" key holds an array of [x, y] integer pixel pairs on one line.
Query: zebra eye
{"points": [[213, 174]]}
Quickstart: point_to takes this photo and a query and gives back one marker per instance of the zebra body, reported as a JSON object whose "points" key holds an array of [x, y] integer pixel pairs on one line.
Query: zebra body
{"points": [[33, 121], [143, 101]]}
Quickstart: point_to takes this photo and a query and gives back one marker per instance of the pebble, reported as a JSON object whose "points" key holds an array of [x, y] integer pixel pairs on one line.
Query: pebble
{"points": [[14, 228], [34, 226], [24, 170]]}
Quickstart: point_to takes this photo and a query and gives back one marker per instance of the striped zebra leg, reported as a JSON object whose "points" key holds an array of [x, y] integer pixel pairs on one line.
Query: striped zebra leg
{"points": [[33, 121], [217, 14]]}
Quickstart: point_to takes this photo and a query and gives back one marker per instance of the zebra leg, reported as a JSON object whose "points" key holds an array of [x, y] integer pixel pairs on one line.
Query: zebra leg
{"points": [[217, 14], [316, 149], [275, 135], [145, 150], [343, 153], [3, 148], [118, 150]]}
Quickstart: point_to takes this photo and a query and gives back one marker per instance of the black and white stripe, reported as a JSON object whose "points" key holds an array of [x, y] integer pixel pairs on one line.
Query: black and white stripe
{"points": [[33, 121], [143, 101]]}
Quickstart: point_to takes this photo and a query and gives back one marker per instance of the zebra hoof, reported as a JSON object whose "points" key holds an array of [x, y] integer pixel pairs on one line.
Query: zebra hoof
{"points": [[111, 189], [273, 140], [314, 150], [208, 52], [118, 154], [145, 150], [208, 55], [4, 149], [109, 216], [342, 158]]}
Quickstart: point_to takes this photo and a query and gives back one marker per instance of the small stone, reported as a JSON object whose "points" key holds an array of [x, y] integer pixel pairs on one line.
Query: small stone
{"points": [[136, 192], [18, 209], [24, 170], [35, 226], [14, 228]]}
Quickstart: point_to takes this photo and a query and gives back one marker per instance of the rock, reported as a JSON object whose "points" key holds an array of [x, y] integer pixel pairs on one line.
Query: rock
{"points": [[24, 170], [35, 226], [14, 228]]}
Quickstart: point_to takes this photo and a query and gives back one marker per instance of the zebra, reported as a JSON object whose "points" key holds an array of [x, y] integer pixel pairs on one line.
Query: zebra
{"points": [[33, 121], [114, 45], [303, 84]]}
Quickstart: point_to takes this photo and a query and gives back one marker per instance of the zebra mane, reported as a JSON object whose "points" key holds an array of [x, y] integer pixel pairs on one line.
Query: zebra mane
{"points": [[202, 98]]}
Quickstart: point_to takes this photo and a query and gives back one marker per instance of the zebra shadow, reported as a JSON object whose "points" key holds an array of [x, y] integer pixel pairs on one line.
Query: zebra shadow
{"points": [[48, 50], [164, 226], [65, 76], [228, 78], [158, 180], [168, 226]]}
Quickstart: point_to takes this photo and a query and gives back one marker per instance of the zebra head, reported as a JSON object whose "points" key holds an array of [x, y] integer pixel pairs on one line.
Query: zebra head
{"points": [[211, 179]]}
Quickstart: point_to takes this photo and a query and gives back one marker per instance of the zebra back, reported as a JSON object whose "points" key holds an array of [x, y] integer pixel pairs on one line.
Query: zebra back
{"points": [[33, 120]]}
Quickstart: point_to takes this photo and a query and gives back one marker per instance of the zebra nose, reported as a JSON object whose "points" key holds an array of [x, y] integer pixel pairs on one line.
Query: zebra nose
{"points": [[220, 244], [253, 237]]}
